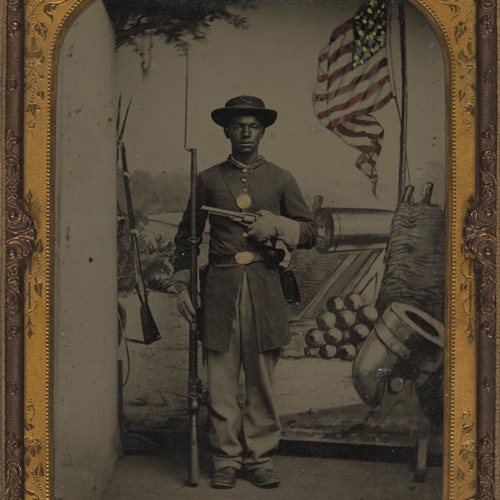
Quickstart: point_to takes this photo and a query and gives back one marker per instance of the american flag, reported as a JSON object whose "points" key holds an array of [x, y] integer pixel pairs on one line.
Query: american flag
{"points": [[353, 81]]}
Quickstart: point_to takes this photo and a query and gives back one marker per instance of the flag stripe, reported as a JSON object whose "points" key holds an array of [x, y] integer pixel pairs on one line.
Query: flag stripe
{"points": [[345, 130], [358, 69], [365, 123], [374, 147], [361, 78], [356, 99], [347, 48], [337, 32], [360, 133], [339, 72], [365, 159], [339, 80], [333, 99], [337, 54], [338, 121], [352, 125]]}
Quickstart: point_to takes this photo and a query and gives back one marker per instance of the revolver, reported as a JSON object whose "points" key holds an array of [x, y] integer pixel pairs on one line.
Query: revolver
{"points": [[272, 255], [245, 218]]}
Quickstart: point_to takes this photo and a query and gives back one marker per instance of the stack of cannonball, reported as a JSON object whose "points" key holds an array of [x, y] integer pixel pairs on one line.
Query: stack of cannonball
{"points": [[341, 329]]}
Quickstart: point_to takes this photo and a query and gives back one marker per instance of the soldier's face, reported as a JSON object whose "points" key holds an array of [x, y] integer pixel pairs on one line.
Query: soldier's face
{"points": [[245, 133]]}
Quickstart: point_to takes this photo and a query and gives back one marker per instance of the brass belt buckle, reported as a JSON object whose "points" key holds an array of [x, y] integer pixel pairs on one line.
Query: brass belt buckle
{"points": [[244, 257]]}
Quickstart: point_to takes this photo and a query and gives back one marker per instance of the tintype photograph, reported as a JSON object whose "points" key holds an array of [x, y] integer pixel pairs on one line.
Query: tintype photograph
{"points": [[252, 239], [298, 150]]}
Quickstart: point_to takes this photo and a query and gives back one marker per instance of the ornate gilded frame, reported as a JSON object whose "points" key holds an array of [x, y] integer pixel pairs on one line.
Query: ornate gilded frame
{"points": [[31, 35]]}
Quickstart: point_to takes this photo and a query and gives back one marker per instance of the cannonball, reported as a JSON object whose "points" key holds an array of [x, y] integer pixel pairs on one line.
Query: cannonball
{"points": [[314, 338], [346, 319], [367, 315], [333, 336], [335, 304], [327, 351], [347, 352], [349, 337], [353, 301], [359, 332], [311, 351], [325, 320]]}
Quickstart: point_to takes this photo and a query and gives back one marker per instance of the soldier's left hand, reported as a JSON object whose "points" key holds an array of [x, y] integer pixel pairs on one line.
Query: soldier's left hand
{"points": [[185, 306], [264, 228]]}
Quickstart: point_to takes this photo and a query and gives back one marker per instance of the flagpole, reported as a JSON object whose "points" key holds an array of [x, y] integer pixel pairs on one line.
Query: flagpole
{"points": [[404, 102]]}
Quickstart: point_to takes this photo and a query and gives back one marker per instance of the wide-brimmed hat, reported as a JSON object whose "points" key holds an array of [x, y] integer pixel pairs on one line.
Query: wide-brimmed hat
{"points": [[244, 105]]}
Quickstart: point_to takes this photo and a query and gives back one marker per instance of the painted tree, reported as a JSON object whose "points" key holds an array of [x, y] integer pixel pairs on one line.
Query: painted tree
{"points": [[175, 22]]}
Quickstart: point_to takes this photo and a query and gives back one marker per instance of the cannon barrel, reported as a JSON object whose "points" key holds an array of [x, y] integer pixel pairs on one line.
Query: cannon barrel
{"points": [[352, 228], [405, 343]]}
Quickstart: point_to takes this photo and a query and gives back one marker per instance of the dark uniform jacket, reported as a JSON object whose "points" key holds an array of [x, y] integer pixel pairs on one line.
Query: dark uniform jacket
{"points": [[270, 188]]}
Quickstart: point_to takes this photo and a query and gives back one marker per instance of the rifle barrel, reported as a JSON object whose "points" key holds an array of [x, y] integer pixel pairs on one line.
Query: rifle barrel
{"points": [[194, 236]]}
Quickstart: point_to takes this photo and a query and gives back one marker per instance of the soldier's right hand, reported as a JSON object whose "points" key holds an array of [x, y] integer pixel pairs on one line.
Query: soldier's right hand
{"points": [[185, 306]]}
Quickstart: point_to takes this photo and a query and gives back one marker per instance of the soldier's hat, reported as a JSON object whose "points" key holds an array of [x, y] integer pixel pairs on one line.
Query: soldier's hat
{"points": [[244, 105]]}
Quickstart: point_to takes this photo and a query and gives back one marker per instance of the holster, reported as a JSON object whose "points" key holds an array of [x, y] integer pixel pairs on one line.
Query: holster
{"points": [[273, 257], [289, 286]]}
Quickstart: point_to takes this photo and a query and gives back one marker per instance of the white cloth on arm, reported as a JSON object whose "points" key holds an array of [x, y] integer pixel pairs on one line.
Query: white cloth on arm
{"points": [[288, 231], [182, 280], [275, 226]]}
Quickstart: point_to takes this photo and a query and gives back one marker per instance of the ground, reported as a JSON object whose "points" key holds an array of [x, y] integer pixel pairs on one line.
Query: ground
{"points": [[321, 473]]}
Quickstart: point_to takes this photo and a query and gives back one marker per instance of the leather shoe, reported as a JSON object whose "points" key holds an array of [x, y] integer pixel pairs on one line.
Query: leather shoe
{"points": [[264, 478], [224, 478]]}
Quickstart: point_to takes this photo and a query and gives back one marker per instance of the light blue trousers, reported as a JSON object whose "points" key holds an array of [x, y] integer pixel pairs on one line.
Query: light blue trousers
{"points": [[259, 420]]}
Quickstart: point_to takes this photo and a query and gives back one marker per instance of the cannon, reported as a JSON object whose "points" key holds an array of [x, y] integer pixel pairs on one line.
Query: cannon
{"points": [[352, 228], [405, 344]]}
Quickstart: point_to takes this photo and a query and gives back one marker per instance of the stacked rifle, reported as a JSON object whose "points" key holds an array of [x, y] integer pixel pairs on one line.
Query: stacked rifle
{"points": [[149, 329]]}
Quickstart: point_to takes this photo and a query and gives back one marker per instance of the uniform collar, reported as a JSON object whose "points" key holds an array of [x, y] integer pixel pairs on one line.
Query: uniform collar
{"points": [[256, 164]]}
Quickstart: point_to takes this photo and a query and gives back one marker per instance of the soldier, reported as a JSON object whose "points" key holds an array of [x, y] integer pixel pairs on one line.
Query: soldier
{"points": [[243, 309]]}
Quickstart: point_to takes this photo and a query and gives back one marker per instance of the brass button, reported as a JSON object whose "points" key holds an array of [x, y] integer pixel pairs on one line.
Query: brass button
{"points": [[245, 234], [243, 201], [243, 179], [245, 190], [244, 170]]}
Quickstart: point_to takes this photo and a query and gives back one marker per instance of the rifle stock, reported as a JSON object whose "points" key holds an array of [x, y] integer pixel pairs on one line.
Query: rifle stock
{"points": [[150, 331]]}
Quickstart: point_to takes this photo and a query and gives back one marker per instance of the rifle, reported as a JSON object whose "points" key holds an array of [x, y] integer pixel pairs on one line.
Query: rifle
{"points": [[194, 382], [149, 329]]}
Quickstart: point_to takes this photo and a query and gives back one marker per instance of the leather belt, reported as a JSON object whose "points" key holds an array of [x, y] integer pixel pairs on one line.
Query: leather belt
{"points": [[237, 258]]}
